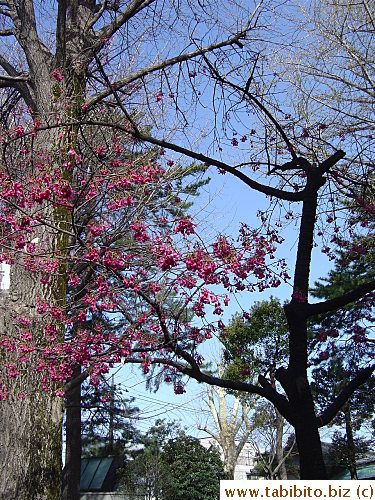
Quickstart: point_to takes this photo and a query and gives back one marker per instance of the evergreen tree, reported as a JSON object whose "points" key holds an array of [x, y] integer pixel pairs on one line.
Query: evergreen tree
{"points": [[190, 471], [328, 380], [142, 474], [341, 455], [108, 423], [254, 348], [156, 210], [257, 344], [350, 327]]}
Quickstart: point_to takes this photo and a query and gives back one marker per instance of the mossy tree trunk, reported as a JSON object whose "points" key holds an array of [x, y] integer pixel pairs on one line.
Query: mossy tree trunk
{"points": [[31, 417]]}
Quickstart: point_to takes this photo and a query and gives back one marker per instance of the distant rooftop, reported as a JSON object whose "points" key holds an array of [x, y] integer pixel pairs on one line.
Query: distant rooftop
{"points": [[100, 473], [365, 471]]}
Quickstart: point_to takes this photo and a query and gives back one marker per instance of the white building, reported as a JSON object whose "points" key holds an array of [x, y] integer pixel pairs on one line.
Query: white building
{"points": [[246, 460]]}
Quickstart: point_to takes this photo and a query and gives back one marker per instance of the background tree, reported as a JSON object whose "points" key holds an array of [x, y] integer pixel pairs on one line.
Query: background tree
{"points": [[232, 431], [142, 475], [328, 377], [336, 86], [256, 346], [152, 210], [265, 444], [342, 455], [332, 94], [350, 326], [190, 471], [109, 422], [353, 414]]}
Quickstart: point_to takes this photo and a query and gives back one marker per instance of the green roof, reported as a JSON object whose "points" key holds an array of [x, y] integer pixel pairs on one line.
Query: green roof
{"points": [[93, 472], [363, 471]]}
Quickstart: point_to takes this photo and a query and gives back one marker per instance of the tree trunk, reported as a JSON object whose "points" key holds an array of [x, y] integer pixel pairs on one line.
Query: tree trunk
{"points": [[279, 446], [34, 450], [72, 471], [296, 385], [307, 437], [279, 419], [229, 466], [30, 461], [305, 423], [310, 452], [229, 448], [294, 379], [30, 418], [350, 443], [111, 438]]}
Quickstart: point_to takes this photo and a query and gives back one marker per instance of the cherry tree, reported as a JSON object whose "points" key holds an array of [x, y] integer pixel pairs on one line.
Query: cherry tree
{"points": [[90, 281], [67, 68]]}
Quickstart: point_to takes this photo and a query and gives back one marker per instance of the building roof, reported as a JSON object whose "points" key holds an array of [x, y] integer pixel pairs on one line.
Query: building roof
{"points": [[100, 473], [365, 471]]}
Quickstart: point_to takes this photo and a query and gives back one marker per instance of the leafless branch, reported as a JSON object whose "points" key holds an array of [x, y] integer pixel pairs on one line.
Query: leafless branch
{"points": [[134, 8], [341, 301], [14, 79], [137, 75], [330, 412]]}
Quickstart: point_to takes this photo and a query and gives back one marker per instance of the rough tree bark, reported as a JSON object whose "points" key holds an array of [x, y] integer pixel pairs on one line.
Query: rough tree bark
{"points": [[31, 418], [82, 29]]}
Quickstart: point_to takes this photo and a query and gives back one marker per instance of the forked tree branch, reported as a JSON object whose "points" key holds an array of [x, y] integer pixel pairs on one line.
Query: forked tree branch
{"points": [[134, 8], [14, 80], [262, 188]]}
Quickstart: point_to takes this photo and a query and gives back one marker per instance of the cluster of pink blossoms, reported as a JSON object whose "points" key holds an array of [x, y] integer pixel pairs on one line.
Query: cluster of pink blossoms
{"points": [[124, 267]]}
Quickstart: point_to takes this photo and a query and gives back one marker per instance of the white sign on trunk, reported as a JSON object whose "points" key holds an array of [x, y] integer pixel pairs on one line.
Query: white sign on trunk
{"points": [[4, 276]]}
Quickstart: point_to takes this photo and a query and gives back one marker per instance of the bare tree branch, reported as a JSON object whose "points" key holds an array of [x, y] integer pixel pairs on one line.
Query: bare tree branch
{"points": [[329, 413], [210, 432], [134, 8], [7, 32], [14, 79], [327, 164], [341, 301], [137, 75], [271, 191]]}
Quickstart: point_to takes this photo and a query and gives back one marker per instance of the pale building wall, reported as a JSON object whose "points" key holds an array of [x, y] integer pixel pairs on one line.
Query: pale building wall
{"points": [[245, 462]]}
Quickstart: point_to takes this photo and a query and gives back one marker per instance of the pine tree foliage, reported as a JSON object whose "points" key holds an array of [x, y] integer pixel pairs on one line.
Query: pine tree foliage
{"points": [[109, 422]]}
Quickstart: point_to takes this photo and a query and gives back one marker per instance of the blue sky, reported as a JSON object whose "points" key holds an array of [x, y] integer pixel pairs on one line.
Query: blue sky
{"points": [[223, 205]]}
